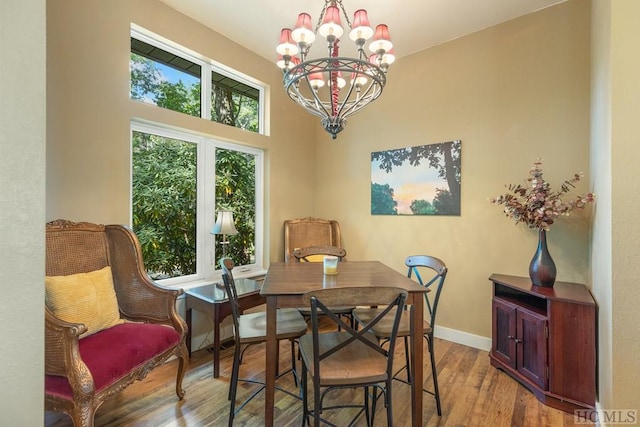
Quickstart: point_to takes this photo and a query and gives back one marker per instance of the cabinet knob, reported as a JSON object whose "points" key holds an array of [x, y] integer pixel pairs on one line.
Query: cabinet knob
{"points": [[510, 337], [518, 341]]}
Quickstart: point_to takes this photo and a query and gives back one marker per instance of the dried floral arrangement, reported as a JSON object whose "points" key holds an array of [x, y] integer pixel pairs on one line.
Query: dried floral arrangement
{"points": [[536, 204]]}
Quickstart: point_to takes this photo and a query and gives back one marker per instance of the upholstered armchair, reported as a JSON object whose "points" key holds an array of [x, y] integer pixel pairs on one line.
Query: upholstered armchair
{"points": [[106, 323], [306, 232]]}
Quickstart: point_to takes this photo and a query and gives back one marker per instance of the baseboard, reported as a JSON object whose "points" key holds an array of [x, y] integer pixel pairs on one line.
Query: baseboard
{"points": [[464, 338]]}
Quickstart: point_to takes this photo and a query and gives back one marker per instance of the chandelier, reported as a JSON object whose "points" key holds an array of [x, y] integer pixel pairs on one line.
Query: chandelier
{"points": [[335, 86]]}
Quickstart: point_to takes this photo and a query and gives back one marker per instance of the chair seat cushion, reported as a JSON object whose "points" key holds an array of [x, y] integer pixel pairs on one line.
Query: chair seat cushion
{"points": [[253, 326], [383, 327], [115, 352]]}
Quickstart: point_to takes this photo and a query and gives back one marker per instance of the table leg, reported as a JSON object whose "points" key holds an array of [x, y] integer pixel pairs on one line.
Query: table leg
{"points": [[416, 360], [216, 340], [271, 361], [189, 312]]}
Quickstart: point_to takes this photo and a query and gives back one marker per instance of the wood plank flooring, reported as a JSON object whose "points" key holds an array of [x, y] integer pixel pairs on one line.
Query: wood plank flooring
{"points": [[473, 393]]}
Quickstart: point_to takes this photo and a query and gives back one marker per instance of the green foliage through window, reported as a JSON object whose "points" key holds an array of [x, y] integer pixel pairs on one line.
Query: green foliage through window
{"points": [[236, 191], [164, 200], [170, 81]]}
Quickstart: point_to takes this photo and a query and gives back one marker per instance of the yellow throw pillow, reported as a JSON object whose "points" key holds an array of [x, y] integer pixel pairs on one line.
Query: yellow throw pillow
{"points": [[87, 298]]}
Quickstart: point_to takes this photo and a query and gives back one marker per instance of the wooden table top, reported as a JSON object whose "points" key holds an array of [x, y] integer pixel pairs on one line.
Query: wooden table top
{"points": [[298, 278]]}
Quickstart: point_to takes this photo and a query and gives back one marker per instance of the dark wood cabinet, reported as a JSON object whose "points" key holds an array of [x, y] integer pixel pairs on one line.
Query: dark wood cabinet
{"points": [[546, 339]]}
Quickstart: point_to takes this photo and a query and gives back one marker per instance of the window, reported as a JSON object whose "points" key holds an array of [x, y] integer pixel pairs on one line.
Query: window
{"points": [[179, 182], [164, 200], [180, 178], [166, 75], [163, 79]]}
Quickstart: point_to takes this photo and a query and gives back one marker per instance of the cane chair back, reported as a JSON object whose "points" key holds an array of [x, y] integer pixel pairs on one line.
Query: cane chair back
{"points": [[308, 232], [85, 367]]}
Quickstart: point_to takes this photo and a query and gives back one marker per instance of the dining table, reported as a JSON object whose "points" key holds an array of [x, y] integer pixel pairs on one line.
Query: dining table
{"points": [[284, 285]]}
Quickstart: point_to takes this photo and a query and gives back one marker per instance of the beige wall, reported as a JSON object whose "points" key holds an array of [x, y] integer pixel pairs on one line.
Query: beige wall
{"points": [[22, 181], [615, 145], [88, 154], [511, 93]]}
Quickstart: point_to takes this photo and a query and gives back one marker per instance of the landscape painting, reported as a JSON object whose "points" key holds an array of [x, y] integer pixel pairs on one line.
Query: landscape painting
{"points": [[421, 180]]}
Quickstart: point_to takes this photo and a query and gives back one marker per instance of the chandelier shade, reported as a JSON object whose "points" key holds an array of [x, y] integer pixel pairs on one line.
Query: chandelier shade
{"points": [[319, 85]]}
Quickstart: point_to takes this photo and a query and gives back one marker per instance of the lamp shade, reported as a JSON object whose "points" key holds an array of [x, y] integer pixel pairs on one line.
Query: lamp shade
{"points": [[224, 224], [303, 32], [361, 28], [287, 46], [381, 41], [331, 27]]}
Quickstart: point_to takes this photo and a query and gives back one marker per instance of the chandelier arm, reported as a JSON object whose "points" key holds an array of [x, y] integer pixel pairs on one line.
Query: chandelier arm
{"points": [[364, 98], [316, 98]]}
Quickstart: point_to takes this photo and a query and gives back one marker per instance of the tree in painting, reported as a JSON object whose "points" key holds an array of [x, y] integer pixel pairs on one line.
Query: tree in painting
{"points": [[443, 159], [382, 202]]}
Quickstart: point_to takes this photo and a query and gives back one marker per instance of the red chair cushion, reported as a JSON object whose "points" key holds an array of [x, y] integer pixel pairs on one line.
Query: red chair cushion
{"points": [[114, 352]]}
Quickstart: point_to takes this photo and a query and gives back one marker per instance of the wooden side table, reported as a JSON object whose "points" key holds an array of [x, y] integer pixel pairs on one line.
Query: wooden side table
{"points": [[546, 339], [212, 300]]}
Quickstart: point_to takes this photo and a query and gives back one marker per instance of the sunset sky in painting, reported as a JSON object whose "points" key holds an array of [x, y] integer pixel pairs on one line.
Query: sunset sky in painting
{"points": [[409, 183]]}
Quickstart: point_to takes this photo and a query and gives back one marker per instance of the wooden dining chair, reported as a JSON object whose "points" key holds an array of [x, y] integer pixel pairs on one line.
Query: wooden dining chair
{"points": [[349, 358], [317, 254], [308, 232], [250, 329], [434, 271]]}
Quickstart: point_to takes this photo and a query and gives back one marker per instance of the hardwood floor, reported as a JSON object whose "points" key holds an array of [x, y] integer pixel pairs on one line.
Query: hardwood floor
{"points": [[473, 393]]}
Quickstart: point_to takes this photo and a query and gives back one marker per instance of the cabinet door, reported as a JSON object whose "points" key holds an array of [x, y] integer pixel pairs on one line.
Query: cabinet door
{"points": [[531, 332], [504, 332]]}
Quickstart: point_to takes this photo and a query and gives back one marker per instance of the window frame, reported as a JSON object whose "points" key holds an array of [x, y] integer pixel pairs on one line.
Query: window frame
{"points": [[206, 257], [207, 67]]}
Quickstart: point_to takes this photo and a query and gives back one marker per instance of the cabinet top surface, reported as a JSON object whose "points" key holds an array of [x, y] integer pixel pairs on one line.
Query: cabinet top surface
{"points": [[562, 291]]}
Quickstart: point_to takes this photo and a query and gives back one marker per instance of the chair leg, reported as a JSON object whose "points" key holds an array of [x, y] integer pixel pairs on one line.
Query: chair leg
{"points": [[183, 356], [434, 374], [233, 384], [367, 412], [317, 400], [407, 358], [387, 402], [305, 407], [293, 363], [374, 405], [83, 414]]}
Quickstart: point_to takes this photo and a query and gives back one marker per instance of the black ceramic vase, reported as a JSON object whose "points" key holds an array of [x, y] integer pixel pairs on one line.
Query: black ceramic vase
{"points": [[542, 269]]}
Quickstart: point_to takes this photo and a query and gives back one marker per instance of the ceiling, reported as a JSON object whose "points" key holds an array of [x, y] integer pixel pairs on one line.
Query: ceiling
{"points": [[414, 25]]}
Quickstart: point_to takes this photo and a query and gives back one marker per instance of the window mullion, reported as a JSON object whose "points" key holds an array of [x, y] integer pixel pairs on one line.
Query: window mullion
{"points": [[206, 186], [205, 95]]}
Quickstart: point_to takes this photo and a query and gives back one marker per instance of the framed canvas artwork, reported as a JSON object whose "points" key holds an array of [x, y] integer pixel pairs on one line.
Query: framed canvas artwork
{"points": [[420, 180]]}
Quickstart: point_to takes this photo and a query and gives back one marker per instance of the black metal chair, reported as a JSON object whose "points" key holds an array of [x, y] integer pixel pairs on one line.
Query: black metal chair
{"points": [[250, 329], [438, 271], [349, 358]]}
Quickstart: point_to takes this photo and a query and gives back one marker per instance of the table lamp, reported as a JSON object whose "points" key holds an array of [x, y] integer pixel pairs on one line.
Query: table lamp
{"points": [[224, 225]]}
